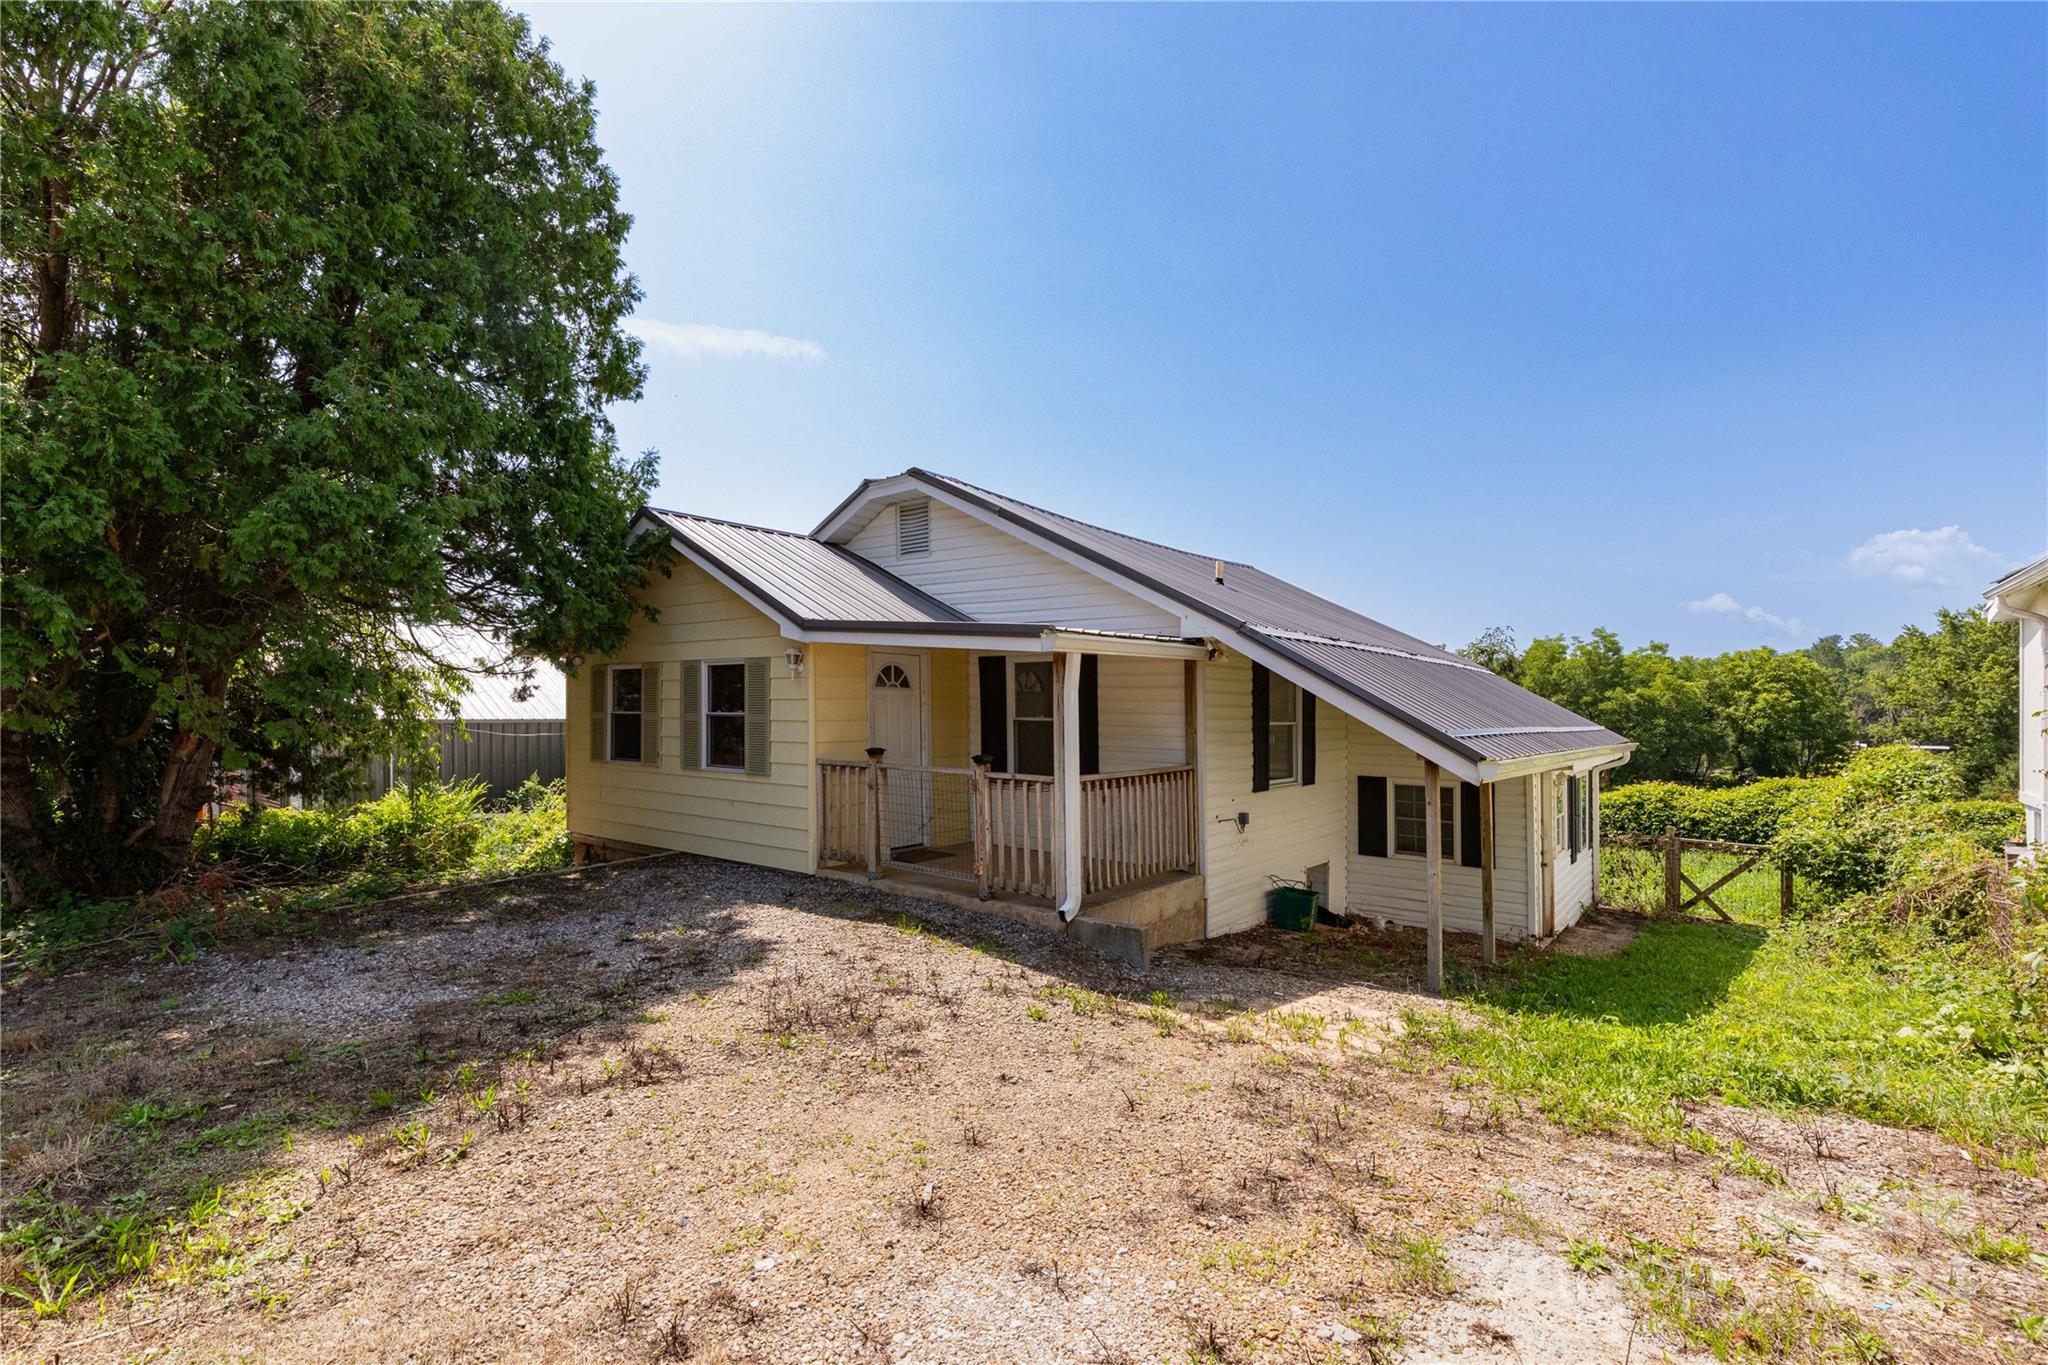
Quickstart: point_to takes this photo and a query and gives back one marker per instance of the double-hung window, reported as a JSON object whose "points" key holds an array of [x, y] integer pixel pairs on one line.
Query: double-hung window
{"points": [[1411, 820], [1283, 732], [725, 715], [623, 743], [1031, 718]]}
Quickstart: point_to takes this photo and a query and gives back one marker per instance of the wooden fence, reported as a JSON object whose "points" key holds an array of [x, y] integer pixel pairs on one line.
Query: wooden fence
{"points": [[1137, 825], [1690, 874], [1133, 825]]}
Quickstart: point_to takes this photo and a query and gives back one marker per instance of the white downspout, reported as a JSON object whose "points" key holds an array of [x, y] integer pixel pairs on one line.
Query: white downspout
{"points": [[1067, 668]]}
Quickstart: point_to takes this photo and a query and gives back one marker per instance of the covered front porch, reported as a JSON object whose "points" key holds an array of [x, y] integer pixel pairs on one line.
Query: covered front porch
{"points": [[1052, 779]]}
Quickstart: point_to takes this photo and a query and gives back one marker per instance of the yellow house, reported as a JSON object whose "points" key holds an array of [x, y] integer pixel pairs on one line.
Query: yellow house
{"points": [[972, 698]]}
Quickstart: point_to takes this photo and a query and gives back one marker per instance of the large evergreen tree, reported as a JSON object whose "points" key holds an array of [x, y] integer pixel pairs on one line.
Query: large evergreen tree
{"points": [[309, 314]]}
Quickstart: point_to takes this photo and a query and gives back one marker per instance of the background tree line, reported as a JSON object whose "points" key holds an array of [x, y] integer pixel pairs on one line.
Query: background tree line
{"points": [[1769, 713]]}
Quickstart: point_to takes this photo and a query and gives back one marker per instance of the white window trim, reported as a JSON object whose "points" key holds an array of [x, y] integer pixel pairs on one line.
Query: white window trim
{"points": [[1447, 797], [704, 714], [610, 710], [1011, 663], [1274, 680]]}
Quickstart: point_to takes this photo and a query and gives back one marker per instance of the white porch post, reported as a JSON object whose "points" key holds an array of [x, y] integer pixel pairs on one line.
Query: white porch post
{"points": [[1066, 729], [1433, 854]]}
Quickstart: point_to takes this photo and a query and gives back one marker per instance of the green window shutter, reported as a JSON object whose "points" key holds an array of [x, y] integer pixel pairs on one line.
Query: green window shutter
{"points": [[650, 715], [757, 717], [692, 746], [599, 709]]}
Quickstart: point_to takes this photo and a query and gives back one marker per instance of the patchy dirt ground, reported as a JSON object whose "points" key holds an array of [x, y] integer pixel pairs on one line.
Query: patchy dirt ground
{"points": [[691, 1110]]}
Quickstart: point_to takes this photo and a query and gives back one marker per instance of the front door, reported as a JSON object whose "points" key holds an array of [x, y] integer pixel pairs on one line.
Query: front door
{"points": [[896, 725]]}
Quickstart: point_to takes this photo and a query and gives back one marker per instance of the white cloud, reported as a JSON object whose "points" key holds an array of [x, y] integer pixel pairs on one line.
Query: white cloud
{"points": [[699, 340], [1936, 558], [1721, 603]]}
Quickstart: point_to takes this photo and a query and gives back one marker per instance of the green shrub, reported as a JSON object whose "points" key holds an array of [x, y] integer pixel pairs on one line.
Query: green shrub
{"points": [[426, 832], [1748, 814], [1988, 824], [1898, 774]]}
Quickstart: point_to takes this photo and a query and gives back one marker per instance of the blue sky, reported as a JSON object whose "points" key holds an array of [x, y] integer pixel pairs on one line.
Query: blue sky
{"points": [[1721, 325]]}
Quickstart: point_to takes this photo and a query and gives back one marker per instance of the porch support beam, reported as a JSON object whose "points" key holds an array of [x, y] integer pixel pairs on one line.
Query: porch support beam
{"points": [[1433, 854], [1486, 872], [1066, 737]]}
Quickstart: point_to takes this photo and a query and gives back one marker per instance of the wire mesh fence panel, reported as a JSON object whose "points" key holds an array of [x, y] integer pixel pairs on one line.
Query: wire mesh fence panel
{"points": [[927, 820]]}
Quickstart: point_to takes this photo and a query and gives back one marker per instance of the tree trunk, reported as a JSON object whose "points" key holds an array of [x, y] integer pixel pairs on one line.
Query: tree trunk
{"points": [[187, 787], [25, 856]]}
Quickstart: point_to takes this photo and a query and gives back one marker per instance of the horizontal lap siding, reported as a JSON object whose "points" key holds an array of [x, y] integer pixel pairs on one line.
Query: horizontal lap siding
{"points": [[1143, 713], [1574, 880], [755, 819], [839, 698], [1292, 828], [1142, 717], [1396, 887], [993, 576]]}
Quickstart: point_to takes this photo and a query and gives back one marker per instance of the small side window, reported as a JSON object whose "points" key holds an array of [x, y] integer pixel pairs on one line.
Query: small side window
{"points": [[625, 710], [725, 715], [1411, 821]]}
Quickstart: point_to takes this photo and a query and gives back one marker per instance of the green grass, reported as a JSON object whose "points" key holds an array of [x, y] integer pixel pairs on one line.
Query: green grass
{"points": [[1792, 1019]]}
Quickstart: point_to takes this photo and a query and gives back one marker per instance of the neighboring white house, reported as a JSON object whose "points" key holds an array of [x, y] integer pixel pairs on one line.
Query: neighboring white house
{"points": [[2022, 596], [976, 698]]}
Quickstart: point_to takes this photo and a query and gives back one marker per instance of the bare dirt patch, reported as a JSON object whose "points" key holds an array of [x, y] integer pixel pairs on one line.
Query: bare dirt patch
{"points": [[697, 1111]]}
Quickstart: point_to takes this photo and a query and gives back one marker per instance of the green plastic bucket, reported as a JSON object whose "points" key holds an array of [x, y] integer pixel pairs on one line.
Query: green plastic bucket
{"points": [[1291, 907]]}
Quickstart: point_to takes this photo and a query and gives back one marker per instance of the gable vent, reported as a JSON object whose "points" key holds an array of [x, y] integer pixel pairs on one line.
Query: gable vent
{"points": [[913, 528]]}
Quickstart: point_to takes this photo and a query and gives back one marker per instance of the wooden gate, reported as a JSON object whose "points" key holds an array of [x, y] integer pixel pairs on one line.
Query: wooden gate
{"points": [[1684, 893]]}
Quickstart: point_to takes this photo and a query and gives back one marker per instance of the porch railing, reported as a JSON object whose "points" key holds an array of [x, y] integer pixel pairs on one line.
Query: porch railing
{"points": [[1001, 830], [1136, 825]]}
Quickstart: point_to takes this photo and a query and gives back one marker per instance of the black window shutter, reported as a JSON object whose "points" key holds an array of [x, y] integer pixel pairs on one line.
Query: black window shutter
{"points": [[1308, 740], [1372, 816], [1468, 824], [1091, 714], [1262, 728], [995, 711], [1571, 814]]}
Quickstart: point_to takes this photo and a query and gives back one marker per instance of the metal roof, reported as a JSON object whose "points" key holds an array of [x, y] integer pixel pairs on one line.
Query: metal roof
{"points": [[813, 583], [500, 686], [1456, 704], [2023, 576], [1467, 708]]}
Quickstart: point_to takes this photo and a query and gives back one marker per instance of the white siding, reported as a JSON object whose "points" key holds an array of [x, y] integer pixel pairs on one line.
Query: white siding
{"points": [[755, 819], [993, 576], [1292, 827], [1574, 877], [1396, 887], [2034, 724], [1143, 711]]}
